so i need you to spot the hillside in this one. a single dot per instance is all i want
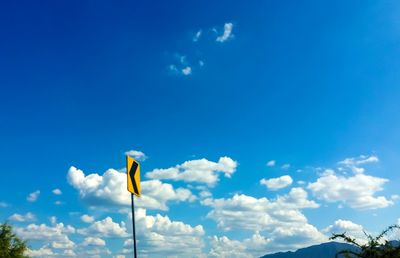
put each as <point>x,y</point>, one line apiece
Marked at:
<point>325,250</point>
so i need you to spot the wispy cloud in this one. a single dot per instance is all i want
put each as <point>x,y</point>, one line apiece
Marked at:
<point>197,36</point>
<point>271,163</point>
<point>32,197</point>
<point>192,60</point>
<point>57,191</point>
<point>356,163</point>
<point>227,33</point>
<point>181,67</point>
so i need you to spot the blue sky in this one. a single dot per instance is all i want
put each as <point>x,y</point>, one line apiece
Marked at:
<point>206,94</point>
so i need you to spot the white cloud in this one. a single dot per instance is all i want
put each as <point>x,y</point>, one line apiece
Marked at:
<point>32,197</point>
<point>110,189</point>
<point>93,241</point>
<point>44,232</point>
<point>58,202</point>
<point>200,171</point>
<point>69,253</point>
<point>3,205</point>
<point>361,160</point>
<point>355,163</point>
<point>22,218</point>
<point>197,36</point>
<point>346,226</point>
<point>271,163</point>
<point>285,166</point>
<point>87,219</point>
<point>277,183</point>
<point>105,228</point>
<point>227,34</point>
<point>281,217</point>
<point>281,239</point>
<point>357,191</point>
<point>187,70</point>
<point>64,243</point>
<point>44,251</point>
<point>53,220</point>
<point>161,237</point>
<point>395,197</point>
<point>56,235</point>
<point>57,191</point>
<point>128,242</point>
<point>182,66</point>
<point>205,194</point>
<point>172,68</point>
<point>138,155</point>
<point>223,247</point>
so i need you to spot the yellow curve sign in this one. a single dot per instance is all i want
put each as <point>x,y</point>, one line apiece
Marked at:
<point>133,173</point>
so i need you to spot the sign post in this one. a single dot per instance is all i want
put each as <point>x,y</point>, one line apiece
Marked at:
<point>133,178</point>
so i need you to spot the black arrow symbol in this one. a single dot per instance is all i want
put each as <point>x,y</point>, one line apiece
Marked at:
<point>132,173</point>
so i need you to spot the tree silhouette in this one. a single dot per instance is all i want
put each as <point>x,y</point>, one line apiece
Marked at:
<point>11,246</point>
<point>374,248</point>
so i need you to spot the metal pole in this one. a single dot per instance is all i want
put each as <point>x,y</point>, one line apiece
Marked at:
<point>133,226</point>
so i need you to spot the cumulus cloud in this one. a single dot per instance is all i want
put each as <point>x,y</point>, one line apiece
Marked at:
<point>277,183</point>
<point>285,166</point>
<point>87,219</point>
<point>200,171</point>
<point>44,251</point>
<point>258,245</point>
<point>287,228</point>
<point>32,197</point>
<point>105,228</point>
<point>93,241</point>
<point>138,155</point>
<point>356,191</point>
<point>3,205</point>
<point>351,229</point>
<point>110,190</point>
<point>22,218</point>
<point>161,237</point>
<point>56,235</point>
<point>44,232</point>
<point>227,34</point>
<point>247,212</point>
<point>223,247</point>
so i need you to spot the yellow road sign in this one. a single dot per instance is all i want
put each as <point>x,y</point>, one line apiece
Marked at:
<point>133,173</point>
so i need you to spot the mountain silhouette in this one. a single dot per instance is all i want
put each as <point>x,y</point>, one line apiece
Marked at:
<point>325,250</point>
